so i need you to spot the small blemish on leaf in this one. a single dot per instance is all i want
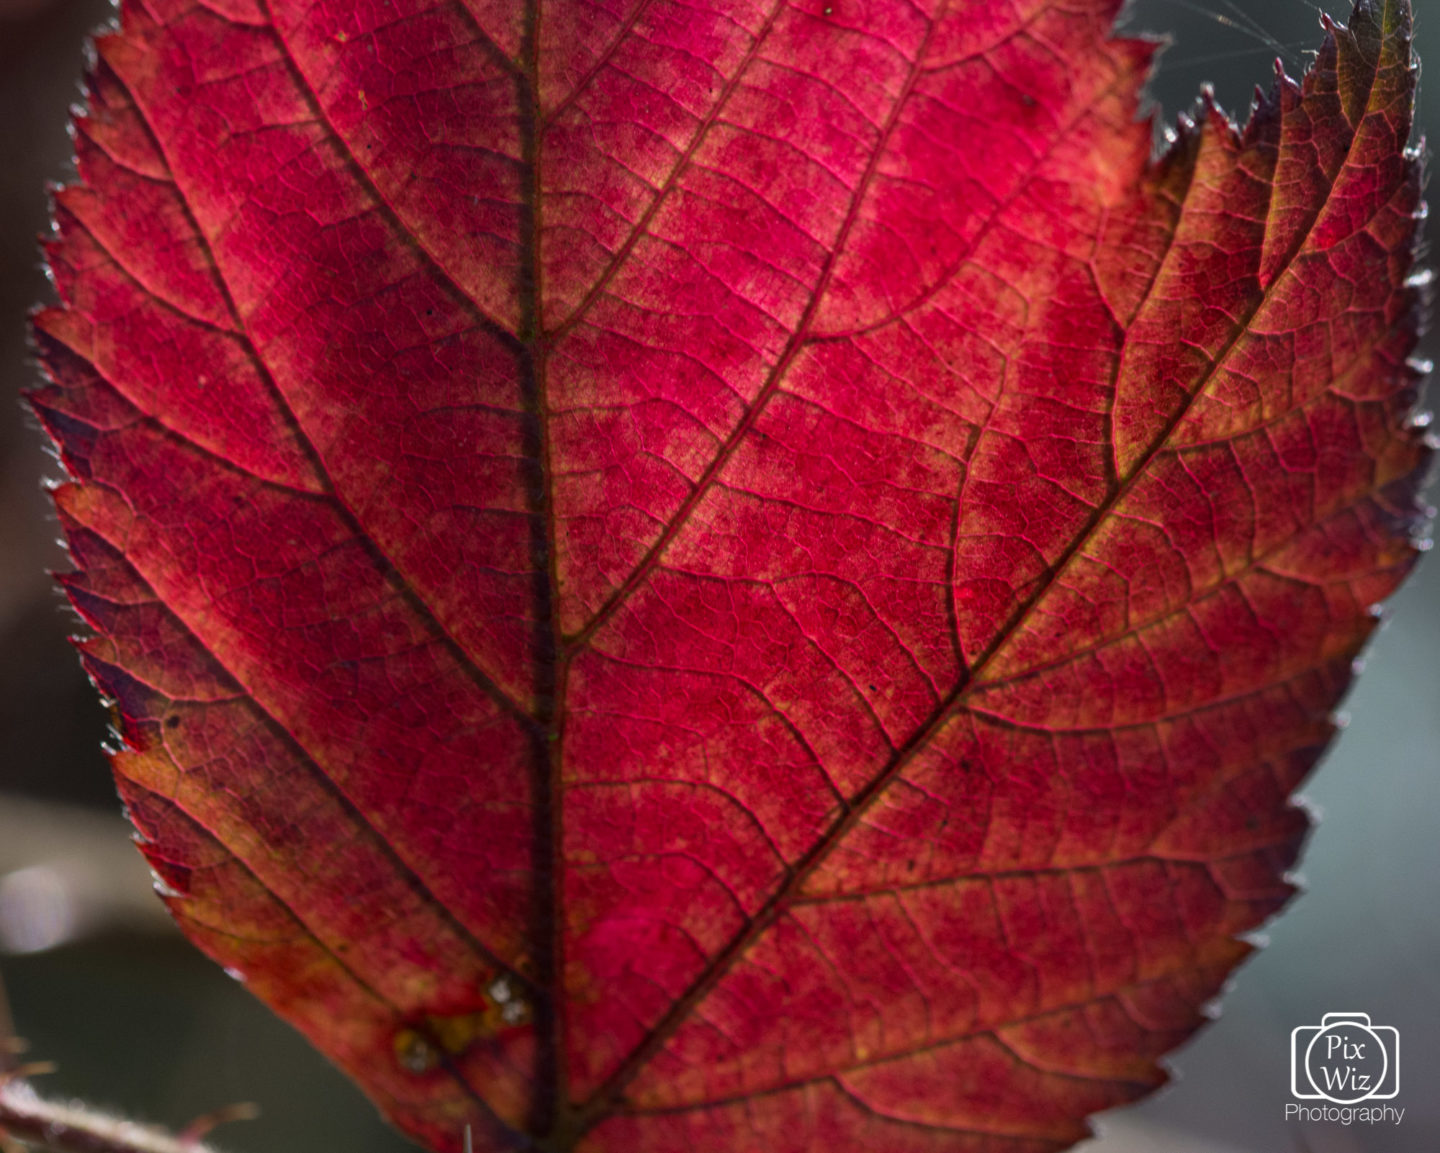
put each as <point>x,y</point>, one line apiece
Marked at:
<point>456,1034</point>
<point>415,1052</point>
<point>422,1047</point>
<point>172,722</point>
<point>512,1007</point>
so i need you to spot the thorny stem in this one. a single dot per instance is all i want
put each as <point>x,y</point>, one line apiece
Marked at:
<point>10,1049</point>
<point>27,1121</point>
<point>70,1128</point>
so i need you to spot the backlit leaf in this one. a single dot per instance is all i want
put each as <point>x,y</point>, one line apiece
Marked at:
<point>727,575</point>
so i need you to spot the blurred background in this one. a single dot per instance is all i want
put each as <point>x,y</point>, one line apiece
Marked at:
<point>101,983</point>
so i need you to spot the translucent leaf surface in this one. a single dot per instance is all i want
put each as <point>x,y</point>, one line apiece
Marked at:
<point>727,576</point>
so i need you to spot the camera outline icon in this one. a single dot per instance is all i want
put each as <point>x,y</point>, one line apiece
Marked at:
<point>1303,1041</point>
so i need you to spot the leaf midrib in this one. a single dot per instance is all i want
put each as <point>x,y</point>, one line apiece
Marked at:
<point>606,1098</point>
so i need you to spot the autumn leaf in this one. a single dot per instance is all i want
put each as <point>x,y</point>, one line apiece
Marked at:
<point>727,576</point>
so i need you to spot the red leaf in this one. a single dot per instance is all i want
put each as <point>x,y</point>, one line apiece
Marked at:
<point>731,576</point>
